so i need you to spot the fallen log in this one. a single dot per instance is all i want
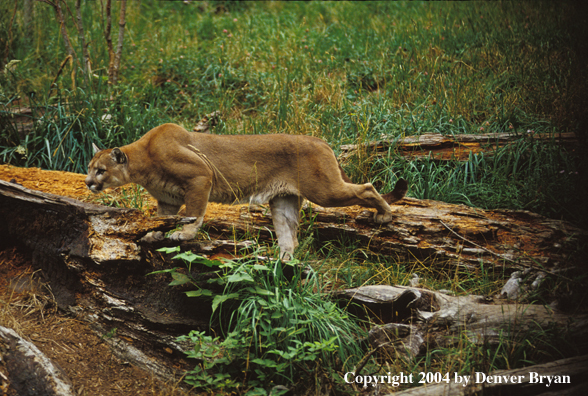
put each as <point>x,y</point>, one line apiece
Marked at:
<point>448,147</point>
<point>97,269</point>
<point>415,319</point>
<point>26,371</point>
<point>444,234</point>
<point>97,265</point>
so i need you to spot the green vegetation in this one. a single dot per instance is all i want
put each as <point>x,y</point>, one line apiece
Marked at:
<point>349,73</point>
<point>345,72</point>
<point>279,329</point>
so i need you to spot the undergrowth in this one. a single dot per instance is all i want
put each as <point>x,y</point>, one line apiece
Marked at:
<point>274,325</point>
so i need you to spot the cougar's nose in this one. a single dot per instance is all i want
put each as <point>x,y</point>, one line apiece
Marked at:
<point>90,184</point>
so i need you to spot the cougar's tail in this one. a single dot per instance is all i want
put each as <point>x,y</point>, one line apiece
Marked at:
<point>398,193</point>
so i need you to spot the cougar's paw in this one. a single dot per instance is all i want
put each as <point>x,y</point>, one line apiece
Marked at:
<point>383,218</point>
<point>153,236</point>
<point>188,231</point>
<point>182,236</point>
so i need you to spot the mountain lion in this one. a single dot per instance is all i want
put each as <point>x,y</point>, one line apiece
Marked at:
<point>180,167</point>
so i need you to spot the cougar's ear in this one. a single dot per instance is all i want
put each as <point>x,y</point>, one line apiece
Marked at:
<point>95,148</point>
<point>118,156</point>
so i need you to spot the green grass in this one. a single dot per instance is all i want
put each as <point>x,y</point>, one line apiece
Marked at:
<point>347,72</point>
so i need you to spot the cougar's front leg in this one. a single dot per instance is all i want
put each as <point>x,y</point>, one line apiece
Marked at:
<point>163,209</point>
<point>196,200</point>
<point>166,209</point>
<point>286,216</point>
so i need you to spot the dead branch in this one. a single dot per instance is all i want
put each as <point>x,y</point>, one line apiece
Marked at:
<point>444,147</point>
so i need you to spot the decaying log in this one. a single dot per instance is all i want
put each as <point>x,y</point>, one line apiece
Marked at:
<point>97,266</point>
<point>444,234</point>
<point>445,147</point>
<point>97,270</point>
<point>24,369</point>
<point>415,319</point>
<point>562,378</point>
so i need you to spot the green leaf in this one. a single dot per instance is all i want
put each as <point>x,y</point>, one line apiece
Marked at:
<point>169,250</point>
<point>239,277</point>
<point>165,271</point>
<point>179,279</point>
<point>277,315</point>
<point>210,263</point>
<point>199,293</point>
<point>219,299</point>
<point>260,291</point>
<point>188,256</point>
<point>256,392</point>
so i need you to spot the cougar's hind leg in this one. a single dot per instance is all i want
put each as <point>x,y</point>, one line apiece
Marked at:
<point>370,197</point>
<point>342,193</point>
<point>285,215</point>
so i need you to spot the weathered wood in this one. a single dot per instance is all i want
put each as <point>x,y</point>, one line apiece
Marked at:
<point>26,371</point>
<point>446,147</point>
<point>415,319</point>
<point>426,230</point>
<point>431,230</point>
<point>97,269</point>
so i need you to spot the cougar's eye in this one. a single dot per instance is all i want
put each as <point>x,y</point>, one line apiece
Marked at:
<point>100,172</point>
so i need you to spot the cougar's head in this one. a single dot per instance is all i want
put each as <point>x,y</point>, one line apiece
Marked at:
<point>107,169</point>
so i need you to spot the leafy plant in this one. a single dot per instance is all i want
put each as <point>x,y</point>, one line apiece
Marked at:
<point>275,327</point>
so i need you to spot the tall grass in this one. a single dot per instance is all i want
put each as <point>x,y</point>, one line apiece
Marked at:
<point>541,177</point>
<point>67,125</point>
<point>346,72</point>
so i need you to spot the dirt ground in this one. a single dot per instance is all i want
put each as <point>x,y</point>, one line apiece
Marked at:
<point>27,306</point>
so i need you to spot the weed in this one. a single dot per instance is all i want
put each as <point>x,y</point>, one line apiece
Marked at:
<point>132,196</point>
<point>276,328</point>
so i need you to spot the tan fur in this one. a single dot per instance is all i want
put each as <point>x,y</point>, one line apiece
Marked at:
<point>180,167</point>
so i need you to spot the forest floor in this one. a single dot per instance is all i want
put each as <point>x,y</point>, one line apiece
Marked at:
<point>27,306</point>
